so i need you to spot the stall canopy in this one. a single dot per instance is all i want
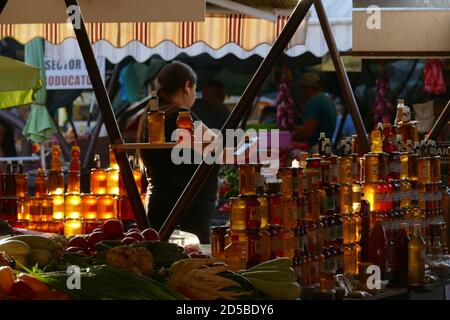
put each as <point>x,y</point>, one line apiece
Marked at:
<point>222,32</point>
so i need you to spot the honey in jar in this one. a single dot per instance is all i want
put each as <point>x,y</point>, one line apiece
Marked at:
<point>156,121</point>
<point>185,122</point>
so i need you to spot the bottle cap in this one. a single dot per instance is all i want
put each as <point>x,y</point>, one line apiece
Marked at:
<point>322,135</point>
<point>401,101</point>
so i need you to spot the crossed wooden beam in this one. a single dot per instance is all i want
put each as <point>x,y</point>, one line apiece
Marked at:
<point>203,170</point>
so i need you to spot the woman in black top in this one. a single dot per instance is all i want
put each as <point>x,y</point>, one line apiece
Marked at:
<point>177,84</point>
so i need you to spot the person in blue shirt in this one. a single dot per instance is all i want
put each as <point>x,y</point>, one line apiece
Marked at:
<point>319,111</point>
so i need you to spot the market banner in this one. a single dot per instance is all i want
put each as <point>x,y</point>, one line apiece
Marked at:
<point>69,74</point>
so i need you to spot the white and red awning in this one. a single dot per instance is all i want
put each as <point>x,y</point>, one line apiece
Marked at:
<point>217,35</point>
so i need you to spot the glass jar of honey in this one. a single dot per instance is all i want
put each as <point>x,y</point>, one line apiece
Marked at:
<point>275,200</point>
<point>185,122</point>
<point>156,126</point>
<point>218,242</point>
<point>237,216</point>
<point>247,180</point>
<point>285,175</point>
<point>99,177</point>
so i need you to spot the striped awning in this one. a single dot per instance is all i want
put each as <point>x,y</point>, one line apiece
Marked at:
<point>217,30</point>
<point>219,34</point>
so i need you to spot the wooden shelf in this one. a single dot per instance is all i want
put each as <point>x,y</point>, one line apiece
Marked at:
<point>123,147</point>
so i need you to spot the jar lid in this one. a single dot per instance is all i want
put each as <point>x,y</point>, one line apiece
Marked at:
<point>184,113</point>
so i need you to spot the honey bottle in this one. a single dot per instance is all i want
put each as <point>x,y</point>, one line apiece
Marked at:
<point>40,184</point>
<point>113,174</point>
<point>56,176</point>
<point>73,174</point>
<point>365,228</point>
<point>377,246</point>
<point>376,140</point>
<point>275,199</point>
<point>235,254</point>
<point>401,253</point>
<point>322,143</point>
<point>247,179</point>
<point>262,197</point>
<point>98,177</point>
<point>185,122</point>
<point>21,181</point>
<point>9,181</point>
<point>156,121</point>
<point>416,258</point>
<point>136,174</point>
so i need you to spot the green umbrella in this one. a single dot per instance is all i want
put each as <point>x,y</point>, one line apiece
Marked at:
<point>39,127</point>
<point>18,83</point>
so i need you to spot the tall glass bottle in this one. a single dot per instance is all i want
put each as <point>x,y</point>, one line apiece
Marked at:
<point>73,175</point>
<point>377,246</point>
<point>56,176</point>
<point>98,177</point>
<point>416,258</point>
<point>40,184</point>
<point>21,181</point>
<point>156,121</point>
<point>401,254</point>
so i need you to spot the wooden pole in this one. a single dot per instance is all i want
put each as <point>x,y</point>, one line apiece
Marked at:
<point>202,172</point>
<point>344,81</point>
<point>108,115</point>
<point>440,123</point>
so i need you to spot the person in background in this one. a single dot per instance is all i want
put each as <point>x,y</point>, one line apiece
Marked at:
<point>210,108</point>
<point>320,112</point>
<point>167,180</point>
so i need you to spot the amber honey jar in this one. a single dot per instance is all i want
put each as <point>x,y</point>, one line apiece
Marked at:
<point>185,122</point>
<point>218,241</point>
<point>106,207</point>
<point>156,126</point>
<point>73,206</point>
<point>89,206</point>
<point>99,177</point>
<point>247,180</point>
<point>285,175</point>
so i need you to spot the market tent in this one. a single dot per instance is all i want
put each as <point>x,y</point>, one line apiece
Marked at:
<point>221,33</point>
<point>18,83</point>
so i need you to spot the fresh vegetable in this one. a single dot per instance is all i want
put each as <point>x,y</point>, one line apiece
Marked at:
<point>150,234</point>
<point>21,290</point>
<point>15,247</point>
<point>203,280</point>
<point>96,285</point>
<point>95,238</point>
<point>136,235</point>
<point>137,260</point>
<point>38,242</point>
<point>275,278</point>
<point>78,241</point>
<point>6,279</point>
<point>164,253</point>
<point>113,229</point>
<point>33,283</point>
<point>41,257</point>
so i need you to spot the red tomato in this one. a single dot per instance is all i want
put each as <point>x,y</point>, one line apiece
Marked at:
<point>129,240</point>
<point>21,290</point>
<point>74,249</point>
<point>150,234</point>
<point>35,284</point>
<point>95,238</point>
<point>136,235</point>
<point>78,241</point>
<point>113,229</point>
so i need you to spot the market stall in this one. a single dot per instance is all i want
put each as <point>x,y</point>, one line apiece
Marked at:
<point>315,230</point>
